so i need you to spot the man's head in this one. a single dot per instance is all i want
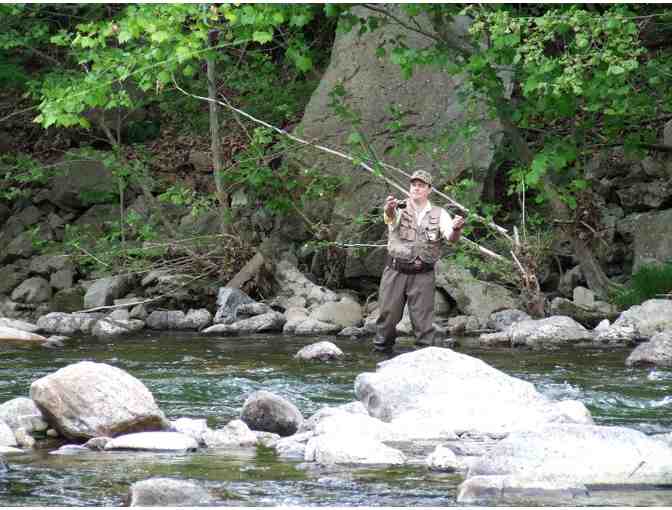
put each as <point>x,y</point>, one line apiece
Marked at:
<point>421,175</point>
<point>421,186</point>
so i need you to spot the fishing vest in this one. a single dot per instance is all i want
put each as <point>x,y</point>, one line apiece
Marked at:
<point>409,240</point>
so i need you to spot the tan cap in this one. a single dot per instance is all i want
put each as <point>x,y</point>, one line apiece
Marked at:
<point>423,176</point>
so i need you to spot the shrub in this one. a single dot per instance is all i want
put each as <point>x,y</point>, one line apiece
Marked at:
<point>647,283</point>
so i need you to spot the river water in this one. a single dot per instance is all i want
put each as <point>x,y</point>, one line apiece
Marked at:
<point>198,377</point>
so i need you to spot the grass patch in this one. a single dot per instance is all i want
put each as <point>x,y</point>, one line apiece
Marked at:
<point>647,283</point>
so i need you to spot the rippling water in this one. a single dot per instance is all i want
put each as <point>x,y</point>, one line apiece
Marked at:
<point>210,378</point>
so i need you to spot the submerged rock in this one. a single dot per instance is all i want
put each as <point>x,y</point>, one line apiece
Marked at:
<point>166,492</point>
<point>330,449</point>
<point>153,441</point>
<point>322,351</point>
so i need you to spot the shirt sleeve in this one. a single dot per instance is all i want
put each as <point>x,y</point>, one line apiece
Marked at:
<point>446,224</point>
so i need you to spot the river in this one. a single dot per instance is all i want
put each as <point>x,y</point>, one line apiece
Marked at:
<point>203,377</point>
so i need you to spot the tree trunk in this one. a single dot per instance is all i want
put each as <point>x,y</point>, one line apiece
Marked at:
<point>215,139</point>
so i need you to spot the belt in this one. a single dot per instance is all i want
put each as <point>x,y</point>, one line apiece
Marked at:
<point>415,267</point>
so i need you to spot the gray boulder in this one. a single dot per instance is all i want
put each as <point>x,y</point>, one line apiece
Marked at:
<point>167,492</point>
<point>195,428</point>
<point>344,313</point>
<point>234,434</point>
<point>109,328</point>
<point>32,290</point>
<point>60,323</point>
<point>436,389</point>
<point>322,351</point>
<point>104,291</point>
<point>86,400</point>
<point>501,320</point>
<point>7,437</point>
<point>331,449</point>
<point>653,244</point>
<point>177,320</point>
<point>431,97</point>
<point>473,296</point>
<point>552,331</point>
<point>11,275</point>
<point>18,324</point>
<point>21,412</point>
<point>271,413</point>
<point>298,291</point>
<point>78,184</point>
<point>518,490</point>
<point>44,265</point>
<point>616,455</point>
<point>153,441</point>
<point>272,321</point>
<point>228,301</point>
<point>649,318</point>
<point>656,352</point>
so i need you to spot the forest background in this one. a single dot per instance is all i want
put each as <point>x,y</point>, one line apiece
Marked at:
<point>167,98</point>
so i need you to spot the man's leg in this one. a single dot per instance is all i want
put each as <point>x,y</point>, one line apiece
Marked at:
<point>391,301</point>
<point>421,307</point>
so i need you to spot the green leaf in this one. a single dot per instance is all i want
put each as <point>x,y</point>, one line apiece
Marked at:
<point>354,138</point>
<point>262,37</point>
<point>616,70</point>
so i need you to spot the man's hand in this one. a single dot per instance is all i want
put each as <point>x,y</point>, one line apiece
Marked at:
<point>390,206</point>
<point>458,223</point>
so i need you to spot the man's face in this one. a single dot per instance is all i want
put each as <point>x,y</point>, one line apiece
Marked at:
<point>419,190</point>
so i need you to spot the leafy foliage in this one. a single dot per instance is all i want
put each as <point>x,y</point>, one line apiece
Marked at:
<point>648,282</point>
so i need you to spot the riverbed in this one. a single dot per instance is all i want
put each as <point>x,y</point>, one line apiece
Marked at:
<point>204,377</point>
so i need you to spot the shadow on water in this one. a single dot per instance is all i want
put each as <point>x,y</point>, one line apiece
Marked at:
<point>199,377</point>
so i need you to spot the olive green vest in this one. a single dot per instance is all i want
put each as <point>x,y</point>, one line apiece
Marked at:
<point>410,240</point>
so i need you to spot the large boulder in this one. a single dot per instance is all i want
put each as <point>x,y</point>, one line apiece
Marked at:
<point>295,290</point>
<point>88,399</point>
<point>649,318</point>
<point>228,302</point>
<point>344,313</point>
<point>430,106</point>
<point>437,388</point>
<point>60,323</point>
<point>32,290</point>
<point>271,413</point>
<point>80,183</point>
<point>272,321</point>
<point>167,492</point>
<point>652,244</point>
<point>104,291</point>
<point>655,352</point>
<point>588,454</point>
<point>473,296</point>
<point>552,331</point>
<point>176,320</point>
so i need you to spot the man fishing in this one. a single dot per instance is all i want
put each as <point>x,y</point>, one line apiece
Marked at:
<point>415,231</point>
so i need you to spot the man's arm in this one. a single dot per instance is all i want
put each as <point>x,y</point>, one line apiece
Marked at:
<point>451,228</point>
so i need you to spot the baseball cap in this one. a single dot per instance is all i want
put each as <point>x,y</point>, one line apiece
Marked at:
<point>423,176</point>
